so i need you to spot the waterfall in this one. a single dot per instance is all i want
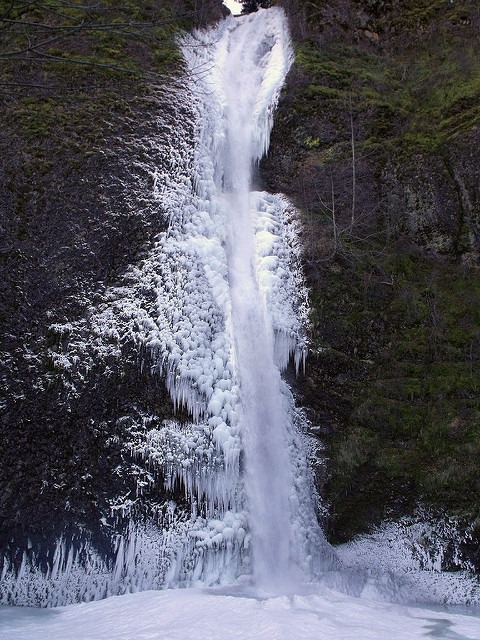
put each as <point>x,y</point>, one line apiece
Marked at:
<point>238,309</point>
<point>257,61</point>
<point>219,304</point>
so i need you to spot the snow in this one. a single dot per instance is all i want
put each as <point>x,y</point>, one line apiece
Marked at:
<point>235,7</point>
<point>208,614</point>
<point>414,550</point>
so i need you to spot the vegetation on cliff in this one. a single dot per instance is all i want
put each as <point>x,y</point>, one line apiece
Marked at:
<point>377,142</point>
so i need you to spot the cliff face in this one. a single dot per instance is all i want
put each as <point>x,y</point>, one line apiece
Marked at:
<point>87,121</point>
<point>377,142</point>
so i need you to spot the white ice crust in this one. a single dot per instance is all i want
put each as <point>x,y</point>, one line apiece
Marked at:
<point>221,238</point>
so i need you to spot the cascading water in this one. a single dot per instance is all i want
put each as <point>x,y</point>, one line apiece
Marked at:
<point>238,252</point>
<point>253,71</point>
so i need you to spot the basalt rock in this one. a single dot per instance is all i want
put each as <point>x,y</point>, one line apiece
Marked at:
<point>377,142</point>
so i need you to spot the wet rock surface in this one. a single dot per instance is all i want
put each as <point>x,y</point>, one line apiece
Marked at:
<point>377,145</point>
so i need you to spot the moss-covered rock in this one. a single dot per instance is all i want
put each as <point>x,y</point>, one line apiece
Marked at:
<point>377,143</point>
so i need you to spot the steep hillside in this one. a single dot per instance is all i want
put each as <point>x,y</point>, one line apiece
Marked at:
<point>377,142</point>
<point>87,119</point>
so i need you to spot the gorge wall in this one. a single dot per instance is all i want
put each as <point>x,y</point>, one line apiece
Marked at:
<point>87,125</point>
<point>376,141</point>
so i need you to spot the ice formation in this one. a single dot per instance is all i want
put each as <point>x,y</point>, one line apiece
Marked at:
<point>224,314</point>
<point>232,305</point>
<point>219,306</point>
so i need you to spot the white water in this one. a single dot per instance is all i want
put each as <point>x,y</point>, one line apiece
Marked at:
<point>255,67</point>
<point>253,294</point>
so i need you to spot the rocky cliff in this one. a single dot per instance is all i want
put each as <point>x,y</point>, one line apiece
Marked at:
<point>88,119</point>
<point>377,142</point>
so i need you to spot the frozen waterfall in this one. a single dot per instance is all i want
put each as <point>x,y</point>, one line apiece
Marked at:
<point>241,312</point>
<point>218,306</point>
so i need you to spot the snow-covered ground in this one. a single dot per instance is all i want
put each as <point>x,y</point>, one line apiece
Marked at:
<point>206,614</point>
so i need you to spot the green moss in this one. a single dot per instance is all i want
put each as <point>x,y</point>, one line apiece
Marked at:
<point>418,14</point>
<point>105,43</point>
<point>415,417</point>
<point>312,143</point>
<point>417,102</point>
<point>399,331</point>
